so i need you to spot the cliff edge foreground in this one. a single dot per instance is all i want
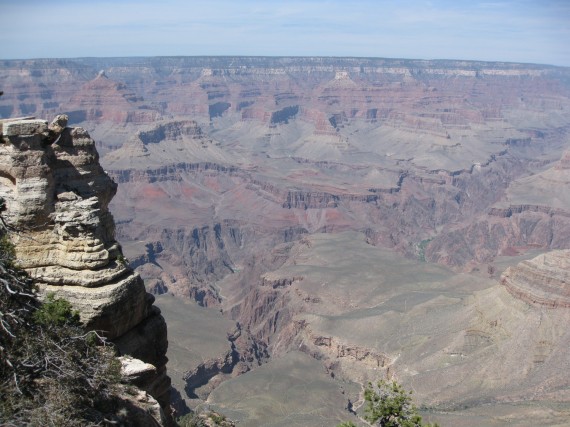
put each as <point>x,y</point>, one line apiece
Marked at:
<point>57,197</point>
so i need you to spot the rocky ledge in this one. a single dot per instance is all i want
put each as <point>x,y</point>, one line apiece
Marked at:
<point>57,198</point>
<point>544,280</point>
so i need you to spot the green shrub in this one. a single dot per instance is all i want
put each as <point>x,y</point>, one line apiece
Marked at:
<point>7,252</point>
<point>56,311</point>
<point>122,260</point>
<point>389,405</point>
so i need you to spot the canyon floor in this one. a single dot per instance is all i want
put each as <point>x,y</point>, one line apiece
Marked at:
<point>362,313</point>
<point>312,224</point>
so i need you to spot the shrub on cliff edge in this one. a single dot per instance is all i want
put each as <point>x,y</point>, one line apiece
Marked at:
<point>51,371</point>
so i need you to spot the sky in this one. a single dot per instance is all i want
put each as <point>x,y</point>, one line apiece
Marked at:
<point>531,31</point>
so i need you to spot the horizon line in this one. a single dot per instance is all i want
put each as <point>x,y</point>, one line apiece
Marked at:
<point>290,57</point>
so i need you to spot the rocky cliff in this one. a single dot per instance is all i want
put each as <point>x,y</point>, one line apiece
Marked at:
<point>542,281</point>
<point>57,197</point>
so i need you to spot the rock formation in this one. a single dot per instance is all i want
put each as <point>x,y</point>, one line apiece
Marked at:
<point>456,339</point>
<point>543,281</point>
<point>414,153</point>
<point>57,197</point>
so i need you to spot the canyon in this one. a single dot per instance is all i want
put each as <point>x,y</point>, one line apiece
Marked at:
<point>314,224</point>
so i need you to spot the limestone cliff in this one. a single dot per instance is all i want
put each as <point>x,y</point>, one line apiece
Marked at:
<point>57,197</point>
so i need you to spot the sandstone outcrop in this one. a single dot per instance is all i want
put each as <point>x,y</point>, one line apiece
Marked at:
<point>543,281</point>
<point>57,196</point>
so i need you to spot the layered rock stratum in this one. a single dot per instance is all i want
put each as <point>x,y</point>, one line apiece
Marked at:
<point>543,281</point>
<point>57,197</point>
<point>432,158</point>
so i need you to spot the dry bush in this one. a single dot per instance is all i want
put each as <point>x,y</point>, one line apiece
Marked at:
<point>52,373</point>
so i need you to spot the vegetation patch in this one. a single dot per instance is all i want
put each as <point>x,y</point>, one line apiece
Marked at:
<point>51,371</point>
<point>388,404</point>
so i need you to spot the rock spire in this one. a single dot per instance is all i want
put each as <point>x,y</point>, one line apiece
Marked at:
<point>57,196</point>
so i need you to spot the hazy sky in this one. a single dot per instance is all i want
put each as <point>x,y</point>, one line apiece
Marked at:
<point>519,30</point>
